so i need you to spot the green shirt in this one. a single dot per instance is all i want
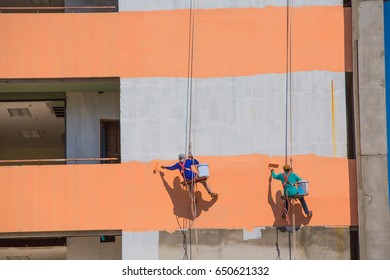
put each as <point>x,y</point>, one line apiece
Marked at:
<point>289,188</point>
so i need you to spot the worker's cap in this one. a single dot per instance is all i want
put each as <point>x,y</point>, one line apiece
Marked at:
<point>286,167</point>
<point>182,156</point>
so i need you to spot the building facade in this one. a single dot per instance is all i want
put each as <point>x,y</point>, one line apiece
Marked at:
<point>96,96</point>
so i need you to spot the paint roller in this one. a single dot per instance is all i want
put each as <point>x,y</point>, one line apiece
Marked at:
<point>155,167</point>
<point>273,165</point>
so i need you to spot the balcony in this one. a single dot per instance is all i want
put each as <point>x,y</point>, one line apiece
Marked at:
<point>59,6</point>
<point>59,121</point>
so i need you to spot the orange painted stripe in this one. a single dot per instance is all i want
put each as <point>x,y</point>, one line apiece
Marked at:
<point>130,196</point>
<point>230,42</point>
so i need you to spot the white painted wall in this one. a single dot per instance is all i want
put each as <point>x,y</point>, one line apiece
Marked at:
<point>140,245</point>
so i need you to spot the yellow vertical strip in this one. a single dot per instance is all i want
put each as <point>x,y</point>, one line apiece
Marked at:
<point>333,123</point>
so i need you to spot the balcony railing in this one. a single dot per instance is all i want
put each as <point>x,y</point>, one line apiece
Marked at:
<point>38,161</point>
<point>58,8</point>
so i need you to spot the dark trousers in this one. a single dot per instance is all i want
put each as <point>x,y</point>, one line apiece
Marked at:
<point>303,203</point>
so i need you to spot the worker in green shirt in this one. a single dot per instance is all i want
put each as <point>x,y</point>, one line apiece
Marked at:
<point>289,179</point>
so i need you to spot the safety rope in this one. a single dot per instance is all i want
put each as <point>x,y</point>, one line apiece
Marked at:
<point>183,230</point>
<point>290,79</point>
<point>190,77</point>
<point>277,245</point>
<point>188,143</point>
<point>288,97</point>
<point>287,77</point>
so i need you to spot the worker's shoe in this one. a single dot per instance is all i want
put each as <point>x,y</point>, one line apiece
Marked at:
<point>309,214</point>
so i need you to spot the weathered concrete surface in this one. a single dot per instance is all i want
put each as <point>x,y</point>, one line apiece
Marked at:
<point>374,220</point>
<point>312,243</point>
<point>238,115</point>
<point>374,217</point>
<point>84,110</point>
<point>90,248</point>
<point>147,5</point>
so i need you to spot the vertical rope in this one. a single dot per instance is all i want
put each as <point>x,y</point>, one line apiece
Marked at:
<point>294,234</point>
<point>289,115</point>
<point>188,143</point>
<point>277,245</point>
<point>334,144</point>
<point>290,78</point>
<point>195,91</point>
<point>287,75</point>
<point>189,78</point>
<point>289,244</point>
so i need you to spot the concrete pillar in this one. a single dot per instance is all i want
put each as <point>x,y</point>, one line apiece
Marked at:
<point>370,119</point>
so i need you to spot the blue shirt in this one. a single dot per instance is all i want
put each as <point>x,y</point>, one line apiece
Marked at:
<point>188,173</point>
<point>289,188</point>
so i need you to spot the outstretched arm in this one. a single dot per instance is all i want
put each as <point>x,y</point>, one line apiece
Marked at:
<point>172,167</point>
<point>276,176</point>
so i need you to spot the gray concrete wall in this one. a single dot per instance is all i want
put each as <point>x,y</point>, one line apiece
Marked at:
<point>90,248</point>
<point>144,5</point>
<point>238,115</point>
<point>83,113</point>
<point>374,217</point>
<point>311,243</point>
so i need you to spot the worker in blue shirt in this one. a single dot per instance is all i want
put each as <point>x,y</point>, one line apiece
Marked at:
<point>289,179</point>
<point>185,167</point>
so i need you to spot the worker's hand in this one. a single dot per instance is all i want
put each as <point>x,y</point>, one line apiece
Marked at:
<point>163,167</point>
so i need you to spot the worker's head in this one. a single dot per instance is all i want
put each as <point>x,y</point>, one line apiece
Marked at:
<point>286,168</point>
<point>182,156</point>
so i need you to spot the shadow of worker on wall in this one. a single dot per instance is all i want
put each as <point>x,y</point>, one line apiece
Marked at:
<point>277,207</point>
<point>182,202</point>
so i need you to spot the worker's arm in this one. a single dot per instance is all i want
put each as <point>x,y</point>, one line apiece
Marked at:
<point>172,167</point>
<point>276,176</point>
<point>297,178</point>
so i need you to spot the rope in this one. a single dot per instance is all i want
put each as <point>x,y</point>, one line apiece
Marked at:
<point>183,230</point>
<point>196,80</point>
<point>190,78</point>
<point>287,76</point>
<point>290,81</point>
<point>277,245</point>
<point>287,210</point>
<point>188,143</point>
<point>289,244</point>
<point>288,98</point>
<point>188,117</point>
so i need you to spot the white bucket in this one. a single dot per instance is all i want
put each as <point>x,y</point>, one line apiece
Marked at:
<point>303,186</point>
<point>203,169</point>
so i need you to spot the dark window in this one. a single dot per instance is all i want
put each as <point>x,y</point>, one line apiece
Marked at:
<point>110,139</point>
<point>347,3</point>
